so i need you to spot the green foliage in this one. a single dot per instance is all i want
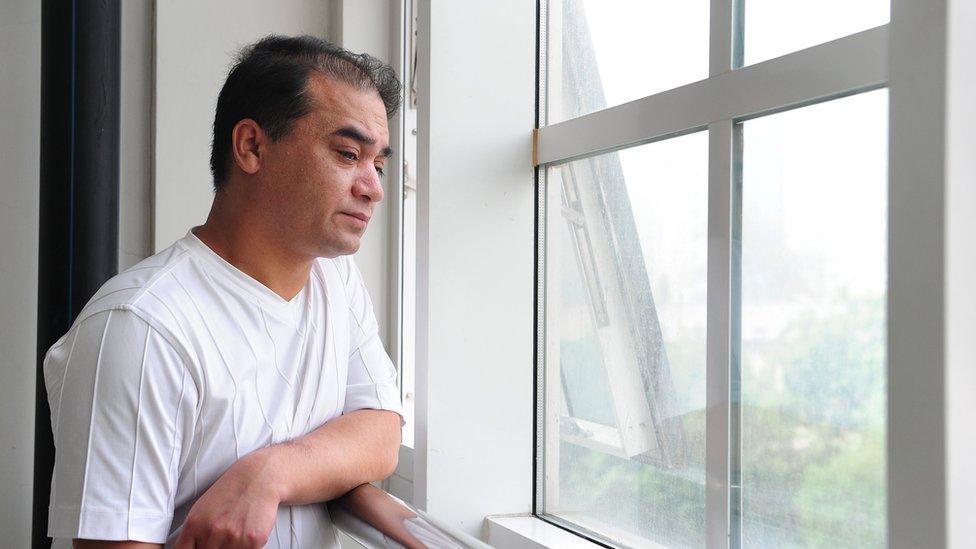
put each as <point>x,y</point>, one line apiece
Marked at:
<point>812,441</point>
<point>835,365</point>
<point>845,496</point>
<point>639,498</point>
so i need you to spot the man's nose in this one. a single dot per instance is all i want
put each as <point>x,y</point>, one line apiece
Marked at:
<point>369,185</point>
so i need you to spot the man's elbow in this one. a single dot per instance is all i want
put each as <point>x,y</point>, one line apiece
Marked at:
<point>383,427</point>
<point>389,467</point>
<point>391,447</point>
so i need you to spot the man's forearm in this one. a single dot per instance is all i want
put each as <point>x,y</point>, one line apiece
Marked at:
<point>240,508</point>
<point>350,450</point>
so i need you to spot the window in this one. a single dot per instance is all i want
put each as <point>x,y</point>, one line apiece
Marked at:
<point>811,366</point>
<point>625,328</point>
<point>712,281</point>
<point>588,39</point>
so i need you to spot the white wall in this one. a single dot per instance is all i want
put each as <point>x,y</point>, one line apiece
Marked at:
<point>476,223</point>
<point>20,85</point>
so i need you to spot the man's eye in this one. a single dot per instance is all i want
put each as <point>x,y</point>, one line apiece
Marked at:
<point>349,154</point>
<point>379,170</point>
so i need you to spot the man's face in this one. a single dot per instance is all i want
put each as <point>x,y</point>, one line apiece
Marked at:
<point>322,180</point>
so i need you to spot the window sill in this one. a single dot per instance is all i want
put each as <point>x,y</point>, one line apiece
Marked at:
<point>529,532</point>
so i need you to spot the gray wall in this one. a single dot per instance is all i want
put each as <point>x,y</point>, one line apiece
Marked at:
<point>20,84</point>
<point>135,163</point>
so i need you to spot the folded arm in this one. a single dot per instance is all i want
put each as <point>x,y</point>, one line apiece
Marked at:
<point>240,508</point>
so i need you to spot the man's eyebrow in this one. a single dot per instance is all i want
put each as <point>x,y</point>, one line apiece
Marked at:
<point>356,135</point>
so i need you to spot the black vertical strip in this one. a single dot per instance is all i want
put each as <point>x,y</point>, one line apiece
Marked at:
<point>96,162</point>
<point>537,451</point>
<point>79,196</point>
<point>53,315</point>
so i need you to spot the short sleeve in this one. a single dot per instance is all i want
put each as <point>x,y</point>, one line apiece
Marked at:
<point>122,409</point>
<point>372,377</point>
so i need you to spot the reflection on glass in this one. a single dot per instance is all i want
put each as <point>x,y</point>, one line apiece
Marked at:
<point>813,289</point>
<point>625,337</point>
<point>777,27</point>
<point>604,53</point>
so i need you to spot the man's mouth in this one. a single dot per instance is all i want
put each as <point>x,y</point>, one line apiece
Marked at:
<point>360,217</point>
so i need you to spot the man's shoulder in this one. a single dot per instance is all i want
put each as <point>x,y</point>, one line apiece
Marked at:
<point>129,289</point>
<point>123,299</point>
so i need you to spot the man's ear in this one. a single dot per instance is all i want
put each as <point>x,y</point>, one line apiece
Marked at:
<point>248,143</point>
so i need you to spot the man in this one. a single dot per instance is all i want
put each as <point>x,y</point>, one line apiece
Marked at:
<point>216,393</point>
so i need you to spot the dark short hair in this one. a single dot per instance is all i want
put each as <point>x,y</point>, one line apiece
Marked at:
<point>268,85</point>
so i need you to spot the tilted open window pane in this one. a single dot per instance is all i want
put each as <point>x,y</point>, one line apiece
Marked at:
<point>778,27</point>
<point>625,315</point>
<point>604,53</point>
<point>813,286</point>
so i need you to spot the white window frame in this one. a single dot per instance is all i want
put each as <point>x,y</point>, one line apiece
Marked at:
<point>850,64</point>
<point>477,206</point>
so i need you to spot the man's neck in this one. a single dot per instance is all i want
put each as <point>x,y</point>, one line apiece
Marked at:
<point>257,254</point>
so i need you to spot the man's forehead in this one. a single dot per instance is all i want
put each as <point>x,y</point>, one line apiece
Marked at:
<point>339,104</point>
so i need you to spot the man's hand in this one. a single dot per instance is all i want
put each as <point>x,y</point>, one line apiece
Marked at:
<point>238,511</point>
<point>382,512</point>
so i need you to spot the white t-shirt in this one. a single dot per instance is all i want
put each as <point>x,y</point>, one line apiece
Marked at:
<point>182,364</point>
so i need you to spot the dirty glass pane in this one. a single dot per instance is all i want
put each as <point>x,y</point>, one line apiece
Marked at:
<point>626,251</point>
<point>602,53</point>
<point>813,283</point>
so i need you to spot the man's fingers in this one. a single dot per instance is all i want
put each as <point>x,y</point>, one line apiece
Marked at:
<point>216,536</point>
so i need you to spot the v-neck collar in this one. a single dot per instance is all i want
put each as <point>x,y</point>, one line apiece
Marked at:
<point>265,296</point>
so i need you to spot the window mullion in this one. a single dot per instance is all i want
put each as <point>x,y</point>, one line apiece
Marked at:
<point>720,37</point>
<point>719,290</point>
<point>718,334</point>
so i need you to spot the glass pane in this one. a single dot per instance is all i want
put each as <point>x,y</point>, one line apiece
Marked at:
<point>777,27</point>
<point>604,53</point>
<point>813,283</point>
<point>626,250</point>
